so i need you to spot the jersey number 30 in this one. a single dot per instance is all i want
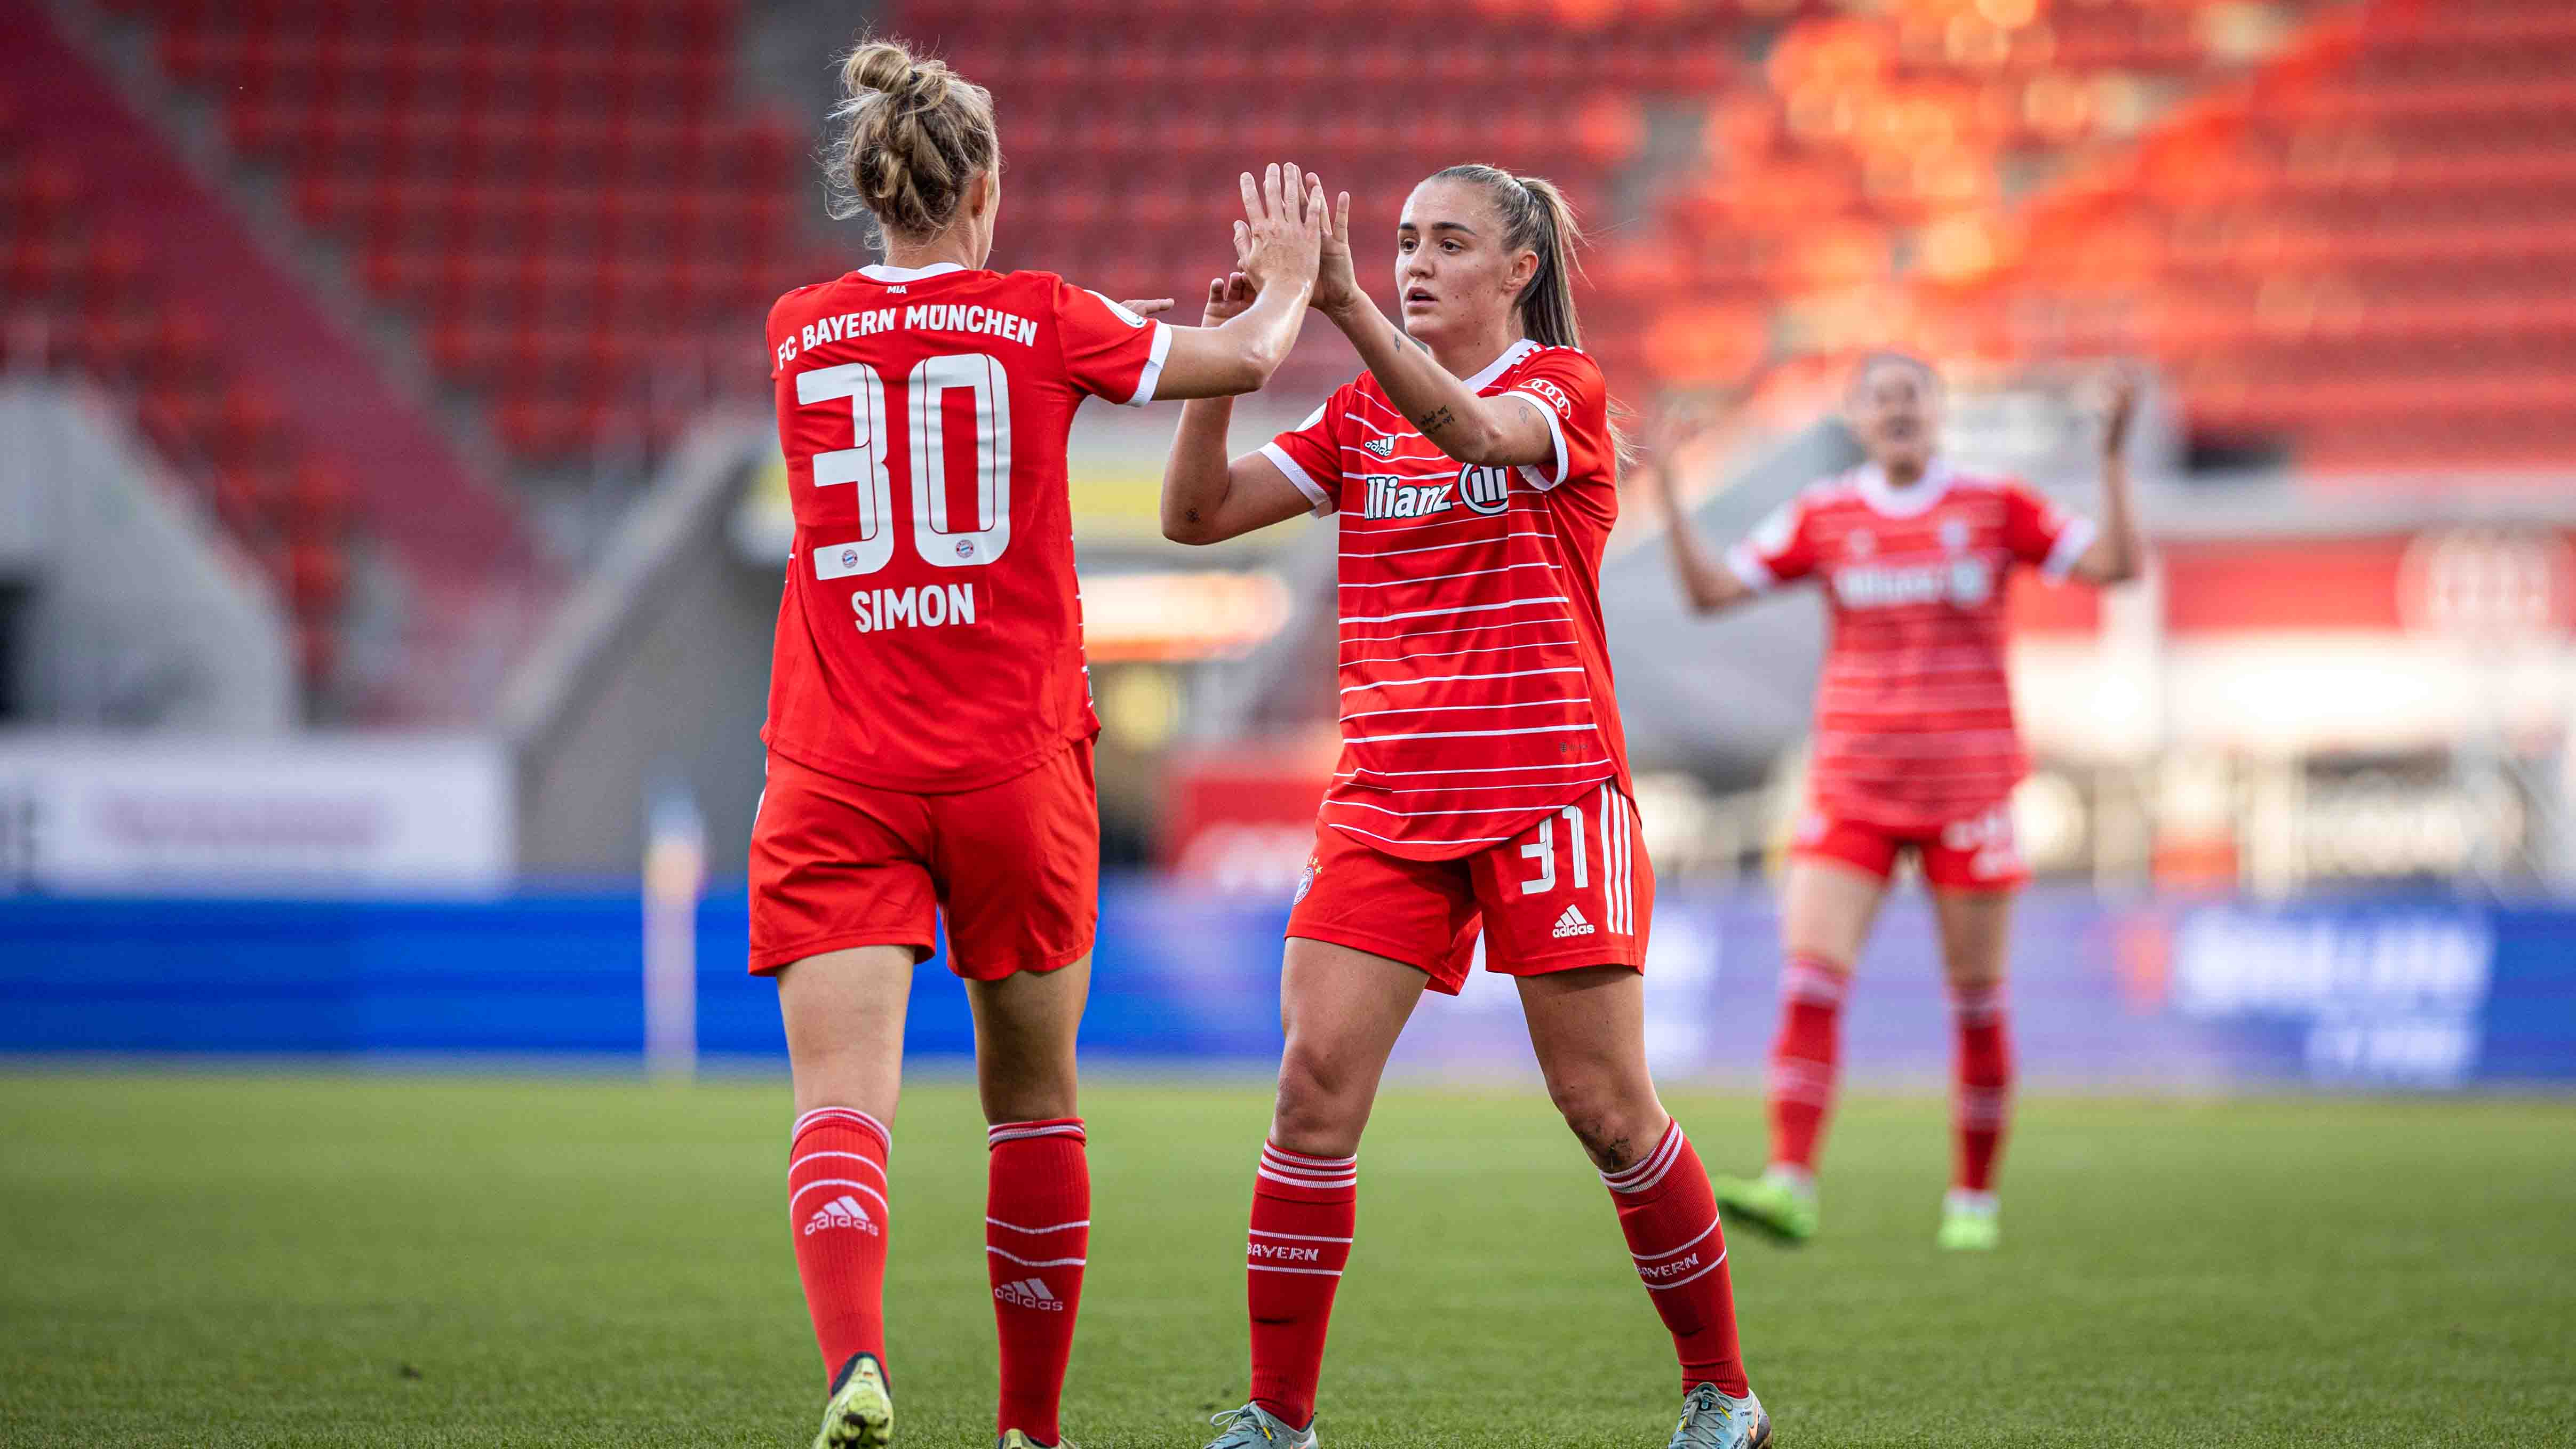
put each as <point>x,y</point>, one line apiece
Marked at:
<point>934,534</point>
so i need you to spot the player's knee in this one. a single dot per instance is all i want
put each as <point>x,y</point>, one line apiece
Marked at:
<point>1319,1109</point>
<point>1614,1120</point>
<point>1026,1087</point>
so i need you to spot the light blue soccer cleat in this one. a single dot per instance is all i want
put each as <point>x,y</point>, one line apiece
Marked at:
<point>1711,1420</point>
<point>1252,1427</point>
<point>860,1412</point>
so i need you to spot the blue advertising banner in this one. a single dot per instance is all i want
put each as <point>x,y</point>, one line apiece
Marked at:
<point>2425,994</point>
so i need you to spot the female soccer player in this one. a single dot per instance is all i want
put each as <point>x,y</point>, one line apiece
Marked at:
<point>1915,749</point>
<point>929,727</point>
<point>1483,776</point>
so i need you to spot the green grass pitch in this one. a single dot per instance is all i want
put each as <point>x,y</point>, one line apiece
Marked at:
<point>322,1260</point>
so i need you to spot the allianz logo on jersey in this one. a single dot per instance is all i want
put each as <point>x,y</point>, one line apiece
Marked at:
<point>1483,490</point>
<point>1964,582</point>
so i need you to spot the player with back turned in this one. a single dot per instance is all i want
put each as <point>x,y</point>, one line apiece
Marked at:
<point>930,724</point>
<point>1483,786</point>
<point>1915,750</point>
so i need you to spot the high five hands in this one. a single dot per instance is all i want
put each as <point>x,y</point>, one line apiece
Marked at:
<point>1288,230</point>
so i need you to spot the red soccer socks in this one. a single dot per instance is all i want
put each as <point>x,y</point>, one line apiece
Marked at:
<point>836,1207</point>
<point>1982,1098</point>
<point>1303,1212</point>
<point>1669,1216</point>
<point>1806,1058</point>
<point>1037,1231</point>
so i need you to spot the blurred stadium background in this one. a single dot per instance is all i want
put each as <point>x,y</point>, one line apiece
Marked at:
<point>390,515</point>
<point>394,515</point>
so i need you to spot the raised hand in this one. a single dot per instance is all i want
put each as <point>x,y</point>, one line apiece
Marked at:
<point>2115,396</point>
<point>1675,426</point>
<point>1669,432</point>
<point>1282,232</point>
<point>1337,284</point>
<point>1228,296</point>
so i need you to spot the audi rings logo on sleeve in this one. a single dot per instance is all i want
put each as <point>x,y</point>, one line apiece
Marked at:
<point>1486,490</point>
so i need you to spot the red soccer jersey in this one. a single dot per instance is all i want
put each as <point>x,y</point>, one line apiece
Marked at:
<point>1475,689</point>
<point>1914,720</point>
<point>931,637</point>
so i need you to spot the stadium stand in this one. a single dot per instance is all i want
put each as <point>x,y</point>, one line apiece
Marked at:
<point>2342,228</point>
<point>122,266</point>
<point>566,197</point>
<point>1132,121</point>
<point>82,294</point>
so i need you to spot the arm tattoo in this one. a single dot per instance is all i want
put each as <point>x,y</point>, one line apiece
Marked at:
<point>1192,515</point>
<point>1432,422</point>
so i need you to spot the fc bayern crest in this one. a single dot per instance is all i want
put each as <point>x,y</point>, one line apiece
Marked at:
<point>1306,882</point>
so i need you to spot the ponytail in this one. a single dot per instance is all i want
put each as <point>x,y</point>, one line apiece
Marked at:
<point>908,136</point>
<point>1535,215</point>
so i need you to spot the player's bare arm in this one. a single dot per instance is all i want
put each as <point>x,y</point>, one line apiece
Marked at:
<point>1434,251</point>
<point>1207,497</point>
<point>2117,554</point>
<point>1279,239</point>
<point>1707,583</point>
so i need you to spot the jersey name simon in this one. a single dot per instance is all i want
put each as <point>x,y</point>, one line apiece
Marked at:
<point>930,634</point>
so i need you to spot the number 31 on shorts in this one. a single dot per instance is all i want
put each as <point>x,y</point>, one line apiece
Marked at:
<point>1599,847</point>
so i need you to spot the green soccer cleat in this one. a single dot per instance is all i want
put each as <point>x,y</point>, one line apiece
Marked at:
<point>1778,1205</point>
<point>860,1412</point>
<point>1969,1224</point>
<point>1252,1427</point>
<point>1711,1420</point>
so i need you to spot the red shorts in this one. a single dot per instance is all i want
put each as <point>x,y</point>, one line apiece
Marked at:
<point>1015,867</point>
<point>1573,890</point>
<point>1975,854</point>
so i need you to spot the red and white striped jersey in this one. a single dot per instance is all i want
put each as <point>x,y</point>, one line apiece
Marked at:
<point>1475,689</point>
<point>930,638</point>
<point>1914,719</point>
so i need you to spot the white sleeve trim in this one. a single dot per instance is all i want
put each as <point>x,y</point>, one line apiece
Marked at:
<point>1748,568</point>
<point>2072,540</point>
<point>1556,431</point>
<point>1156,351</point>
<point>1314,492</point>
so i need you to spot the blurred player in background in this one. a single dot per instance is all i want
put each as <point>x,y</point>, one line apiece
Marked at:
<point>1483,781</point>
<point>1915,748</point>
<point>930,723</point>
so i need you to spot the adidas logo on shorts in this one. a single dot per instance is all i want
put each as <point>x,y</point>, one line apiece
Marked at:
<point>1029,1293</point>
<point>841,1212</point>
<point>1572,924</point>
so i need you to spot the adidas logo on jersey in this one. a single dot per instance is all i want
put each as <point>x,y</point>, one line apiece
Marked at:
<point>1029,1293</point>
<point>1572,924</point>
<point>1383,447</point>
<point>842,1212</point>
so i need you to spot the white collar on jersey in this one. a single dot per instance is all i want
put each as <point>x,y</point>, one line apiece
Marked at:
<point>1894,502</point>
<point>880,272</point>
<point>1500,365</point>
